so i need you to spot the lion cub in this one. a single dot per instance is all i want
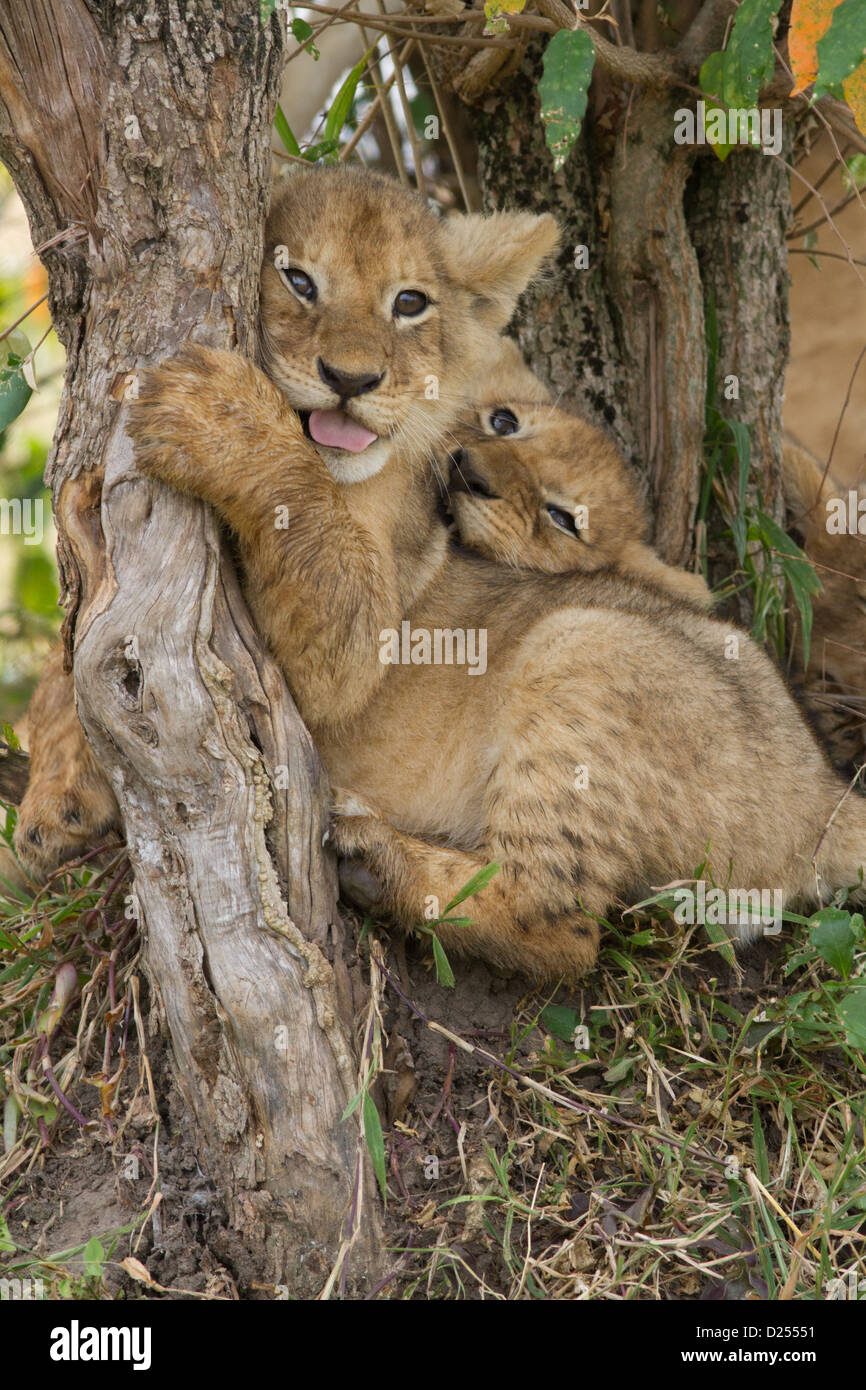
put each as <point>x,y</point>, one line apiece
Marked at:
<point>319,459</point>
<point>616,736</point>
<point>542,489</point>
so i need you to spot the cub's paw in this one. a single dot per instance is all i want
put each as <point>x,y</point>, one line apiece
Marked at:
<point>356,830</point>
<point>356,826</point>
<point>349,803</point>
<point>57,823</point>
<point>191,410</point>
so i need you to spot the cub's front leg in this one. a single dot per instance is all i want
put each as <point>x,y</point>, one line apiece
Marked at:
<point>508,924</point>
<point>212,425</point>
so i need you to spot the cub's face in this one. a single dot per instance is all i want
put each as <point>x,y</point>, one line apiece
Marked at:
<point>374,313</point>
<point>537,488</point>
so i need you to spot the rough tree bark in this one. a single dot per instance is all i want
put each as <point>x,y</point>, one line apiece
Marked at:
<point>138,137</point>
<point>665,227</point>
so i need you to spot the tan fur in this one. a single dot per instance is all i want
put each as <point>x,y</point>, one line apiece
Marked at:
<point>363,536</point>
<point>68,807</point>
<point>836,672</point>
<point>688,754</point>
<point>553,459</point>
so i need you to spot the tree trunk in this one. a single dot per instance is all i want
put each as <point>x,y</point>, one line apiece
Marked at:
<point>665,227</point>
<point>141,142</point>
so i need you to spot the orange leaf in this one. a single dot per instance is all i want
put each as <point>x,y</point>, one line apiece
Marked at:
<point>810,20</point>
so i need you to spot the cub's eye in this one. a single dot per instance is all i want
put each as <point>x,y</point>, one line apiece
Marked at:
<point>504,422</point>
<point>300,282</point>
<point>410,303</point>
<point>563,519</point>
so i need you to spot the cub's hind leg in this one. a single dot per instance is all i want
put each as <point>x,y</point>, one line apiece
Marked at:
<point>68,806</point>
<point>512,924</point>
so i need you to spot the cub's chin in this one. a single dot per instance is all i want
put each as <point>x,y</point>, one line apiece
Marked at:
<point>346,467</point>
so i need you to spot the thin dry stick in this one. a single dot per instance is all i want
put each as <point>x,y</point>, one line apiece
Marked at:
<point>846,793</point>
<point>845,405</point>
<point>848,253</point>
<point>819,221</point>
<point>451,142</point>
<point>814,251</point>
<point>25,315</point>
<point>410,123</point>
<point>387,26</point>
<point>388,114</point>
<point>807,198</point>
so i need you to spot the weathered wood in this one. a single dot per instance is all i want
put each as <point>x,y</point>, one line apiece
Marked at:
<point>162,160</point>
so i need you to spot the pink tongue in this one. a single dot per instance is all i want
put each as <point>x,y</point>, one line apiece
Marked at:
<point>336,430</point>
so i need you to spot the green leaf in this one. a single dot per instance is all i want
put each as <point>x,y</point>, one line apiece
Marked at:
<point>353,1105</point>
<point>303,33</point>
<point>560,1021</point>
<point>853,177</point>
<point>749,55</point>
<point>284,130</point>
<point>375,1142</point>
<point>743,446</point>
<point>843,47</point>
<point>711,80</point>
<point>7,1244</point>
<point>620,1070</point>
<point>301,30</point>
<point>14,391</point>
<point>10,737</point>
<point>834,938</point>
<point>444,973</point>
<point>563,89</point>
<point>852,1011</point>
<point>796,568</point>
<point>722,942</point>
<point>342,104</point>
<point>321,151</point>
<point>94,1258</point>
<point>475,884</point>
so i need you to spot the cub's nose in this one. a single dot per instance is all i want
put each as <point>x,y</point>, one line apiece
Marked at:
<point>345,384</point>
<point>466,478</point>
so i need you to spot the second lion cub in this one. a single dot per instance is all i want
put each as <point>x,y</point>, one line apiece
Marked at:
<point>542,489</point>
<point>617,737</point>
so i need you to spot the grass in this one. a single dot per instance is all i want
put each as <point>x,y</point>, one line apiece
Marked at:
<point>681,1127</point>
<point>68,999</point>
<point>703,1139</point>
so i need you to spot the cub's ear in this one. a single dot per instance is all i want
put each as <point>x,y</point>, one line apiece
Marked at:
<point>495,257</point>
